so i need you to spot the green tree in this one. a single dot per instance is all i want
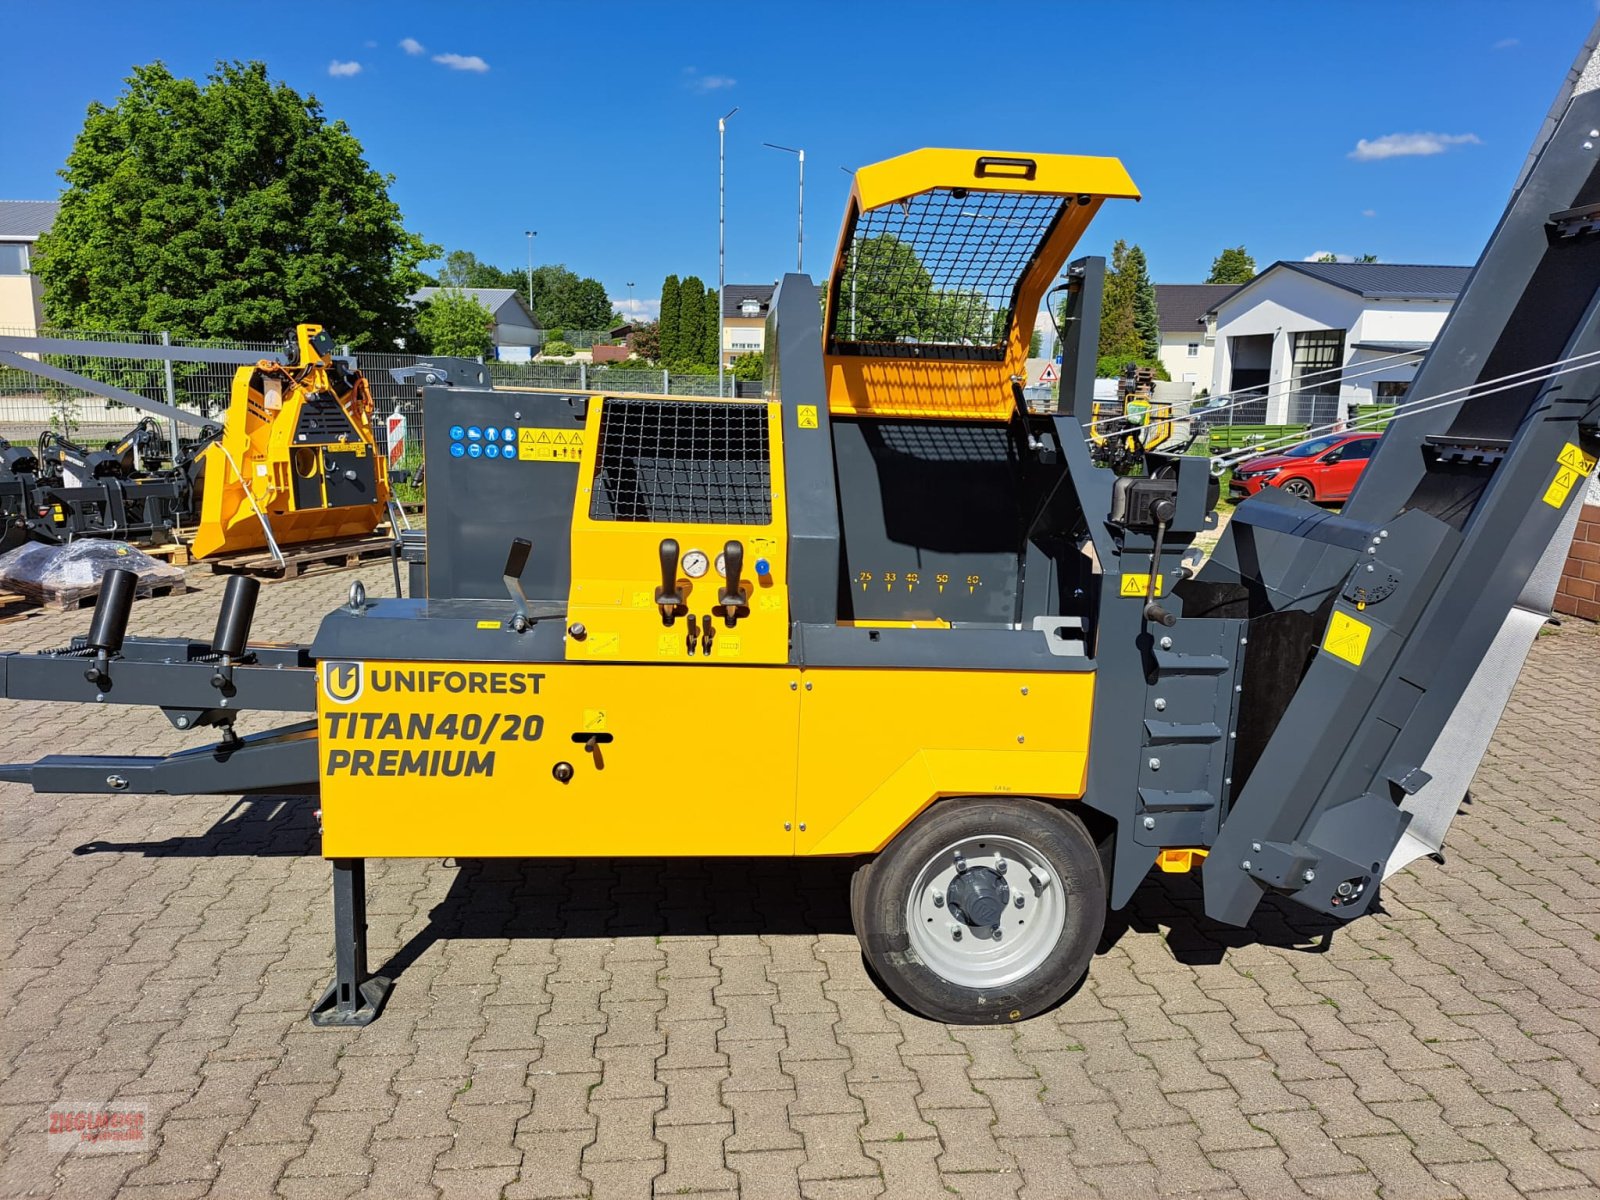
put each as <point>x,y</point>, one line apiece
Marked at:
<point>711,342</point>
<point>1109,366</point>
<point>231,208</point>
<point>691,323</point>
<point>455,323</point>
<point>463,270</point>
<point>1367,258</point>
<point>750,367</point>
<point>885,293</point>
<point>671,303</point>
<point>1146,320</point>
<point>1035,344</point>
<point>1119,335</point>
<point>1327,258</point>
<point>1233,265</point>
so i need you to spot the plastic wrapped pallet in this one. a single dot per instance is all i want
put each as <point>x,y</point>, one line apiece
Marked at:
<point>67,576</point>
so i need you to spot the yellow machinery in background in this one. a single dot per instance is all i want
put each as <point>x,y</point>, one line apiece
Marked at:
<point>1135,421</point>
<point>296,456</point>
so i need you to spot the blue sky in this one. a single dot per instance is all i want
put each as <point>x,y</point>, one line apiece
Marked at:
<point>596,124</point>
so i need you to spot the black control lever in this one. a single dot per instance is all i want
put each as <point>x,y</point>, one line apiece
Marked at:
<point>110,622</point>
<point>1163,511</point>
<point>233,628</point>
<point>706,634</point>
<point>668,598</point>
<point>516,563</point>
<point>731,599</point>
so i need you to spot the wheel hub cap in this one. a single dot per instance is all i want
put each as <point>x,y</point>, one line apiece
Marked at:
<point>979,897</point>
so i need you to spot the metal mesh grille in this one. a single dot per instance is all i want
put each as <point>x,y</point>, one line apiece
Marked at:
<point>937,275</point>
<point>665,460</point>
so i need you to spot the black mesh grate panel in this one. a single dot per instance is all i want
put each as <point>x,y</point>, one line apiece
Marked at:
<point>937,275</point>
<point>323,420</point>
<point>677,460</point>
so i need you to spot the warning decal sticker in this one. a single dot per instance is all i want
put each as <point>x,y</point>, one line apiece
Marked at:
<point>807,416</point>
<point>1347,638</point>
<point>1136,585</point>
<point>1572,465</point>
<point>550,445</point>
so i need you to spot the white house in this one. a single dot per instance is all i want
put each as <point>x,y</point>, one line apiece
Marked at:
<point>1187,340</point>
<point>1317,339</point>
<point>517,332</point>
<point>21,223</point>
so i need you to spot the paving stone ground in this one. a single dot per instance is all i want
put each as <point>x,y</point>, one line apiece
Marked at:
<point>685,1028</point>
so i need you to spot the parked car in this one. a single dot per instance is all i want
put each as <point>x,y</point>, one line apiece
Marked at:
<point>1323,469</point>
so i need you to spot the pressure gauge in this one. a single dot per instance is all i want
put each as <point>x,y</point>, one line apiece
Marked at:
<point>695,563</point>
<point>722,565</point>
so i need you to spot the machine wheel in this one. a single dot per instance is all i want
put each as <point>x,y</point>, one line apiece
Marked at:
<point>1300,489</point>
<point>982,910</point>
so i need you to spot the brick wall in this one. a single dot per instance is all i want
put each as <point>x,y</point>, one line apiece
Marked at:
<point>1579,593</point>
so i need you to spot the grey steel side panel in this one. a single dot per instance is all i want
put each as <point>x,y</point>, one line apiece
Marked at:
<point>795,378</point>
<point>931,649</point>
<point>480,504</point>
<point>437,631</point>
<point>1454,759</point>
<point>282,760</point>
<point>1080,340</point>
<point>181,685</point>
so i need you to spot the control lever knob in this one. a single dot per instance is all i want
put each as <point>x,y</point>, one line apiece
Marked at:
<point>731,600</point>
<point>668,598</point>
<point>1154,612</point>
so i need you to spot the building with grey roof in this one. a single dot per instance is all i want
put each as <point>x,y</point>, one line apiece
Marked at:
<point>1313,343</point>
<point>517,332</point>
<point>21,223</point>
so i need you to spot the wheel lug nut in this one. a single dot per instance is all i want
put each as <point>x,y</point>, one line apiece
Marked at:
<point>955,932</point>
<point>1018,901</point>
<point>938,899</point>
<point>1000,866</point>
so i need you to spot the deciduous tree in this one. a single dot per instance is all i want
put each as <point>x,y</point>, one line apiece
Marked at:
<point>455,323</point>
<point>1233,265</point>
<point>231,208</point>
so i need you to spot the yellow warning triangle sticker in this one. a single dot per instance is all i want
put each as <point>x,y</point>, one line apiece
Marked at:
<point>1574,457</point>
<point>560,439</point>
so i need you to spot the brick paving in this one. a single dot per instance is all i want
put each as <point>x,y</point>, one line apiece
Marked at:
<point>685,1028</point>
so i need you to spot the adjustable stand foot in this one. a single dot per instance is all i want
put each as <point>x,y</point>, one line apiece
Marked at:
<point>354,997</point>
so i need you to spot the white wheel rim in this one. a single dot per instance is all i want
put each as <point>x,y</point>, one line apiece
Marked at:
<point>987,956</point>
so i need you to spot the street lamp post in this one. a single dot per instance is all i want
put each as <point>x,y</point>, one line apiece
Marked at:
<point>722,185</point>
<point>631,314</point>
<point>531,234</point>
<point>800,237</point>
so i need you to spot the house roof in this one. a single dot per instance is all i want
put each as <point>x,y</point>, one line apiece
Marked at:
<point>26,219</point>
<point>1387,281</point>
<point>494,299</point>
<point>1182,306</point>
<point>735,294</point>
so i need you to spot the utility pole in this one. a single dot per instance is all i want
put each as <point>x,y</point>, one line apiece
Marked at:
<point>722,185</point>
<point>631,316</point>
<point>531,234</point>
<point>800,237</point>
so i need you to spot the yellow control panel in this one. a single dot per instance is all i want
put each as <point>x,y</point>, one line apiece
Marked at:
<point>679,534</point>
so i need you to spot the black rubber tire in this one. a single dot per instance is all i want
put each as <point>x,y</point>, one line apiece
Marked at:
<point>880,891</point>
<point>1300,488</point>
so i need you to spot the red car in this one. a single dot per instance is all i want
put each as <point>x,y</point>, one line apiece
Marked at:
<point>1323,469</point>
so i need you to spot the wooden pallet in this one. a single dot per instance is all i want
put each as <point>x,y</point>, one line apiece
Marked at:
<point>177,553</point>
<point>71,599</point>
<point>14,606</point>
<point>337,555</point>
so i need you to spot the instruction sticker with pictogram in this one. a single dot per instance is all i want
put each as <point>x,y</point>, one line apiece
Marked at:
<point>1347,638</point>
<point>550,445</point>
<point>806,416</point>
<point>1135,585</point>
<point>1572,464</point>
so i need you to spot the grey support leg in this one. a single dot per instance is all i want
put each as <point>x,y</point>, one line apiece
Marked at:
<point>354,997</point>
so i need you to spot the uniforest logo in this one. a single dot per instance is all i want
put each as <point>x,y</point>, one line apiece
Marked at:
<point>343,681</point>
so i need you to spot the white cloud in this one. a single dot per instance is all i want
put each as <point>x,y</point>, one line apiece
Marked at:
<point>412,46</point>
<point>1403,145</point>
<point>1320,255</point>
<point>1506,43</point>
<point>697,82</point>
<point>1369,212</point>
<point>462,62</point>
<point>637,310</point>
<point>343,70</point>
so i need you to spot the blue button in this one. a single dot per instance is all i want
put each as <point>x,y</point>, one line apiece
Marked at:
<point>457,449</point>
<point>492,450</point>
<point>473,433</point>
<point>457,433</point>
<point>474,450</point>
<point>763,568</point>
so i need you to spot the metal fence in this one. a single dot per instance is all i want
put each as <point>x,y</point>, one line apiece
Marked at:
<point>30,404</point>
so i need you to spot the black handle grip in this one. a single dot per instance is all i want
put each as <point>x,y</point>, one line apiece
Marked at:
<point>517,560</point>
<point>1154,612</point>
<point>733,563</point>
<point>667,594</point>
<point>992,166</point>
